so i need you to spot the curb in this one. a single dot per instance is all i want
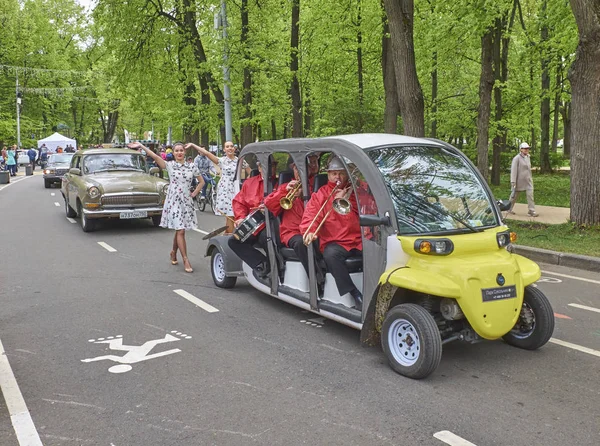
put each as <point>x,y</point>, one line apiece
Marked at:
<point>587,263</point>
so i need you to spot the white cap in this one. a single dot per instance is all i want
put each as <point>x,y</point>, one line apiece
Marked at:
<point>524,145</point>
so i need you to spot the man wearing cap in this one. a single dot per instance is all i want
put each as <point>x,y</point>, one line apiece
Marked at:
<point>247,200</point>
<point>340,236</point>
<point>289,228</point>
<point>521,179</point>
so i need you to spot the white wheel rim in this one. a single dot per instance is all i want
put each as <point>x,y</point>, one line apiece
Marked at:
<point>404,342</point>
<point>219,267</point>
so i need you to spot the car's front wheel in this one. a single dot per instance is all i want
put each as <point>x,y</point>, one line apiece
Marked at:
<point>536,321</point>
<point>411,340</point>
<point>218,272</point>
<point>69,210</point>
<point>87,225</point>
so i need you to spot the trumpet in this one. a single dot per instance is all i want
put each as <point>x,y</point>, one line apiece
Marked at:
<point>288,201</point>
<point>341,206</point>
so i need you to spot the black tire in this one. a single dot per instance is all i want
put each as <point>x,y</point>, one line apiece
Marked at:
<point>87,225</point>
<point>47,184</point>
<point>411,341</point>
<point>201,204</point>
<point>536,322</point>
<point>217,271</point>
<point>69,210</point>
<point>156,220</point>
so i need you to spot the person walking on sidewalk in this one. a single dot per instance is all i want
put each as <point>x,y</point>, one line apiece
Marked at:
<point>521,180</point>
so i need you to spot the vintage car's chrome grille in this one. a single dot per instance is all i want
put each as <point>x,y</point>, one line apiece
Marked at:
<point>130,200</point>
<point>61,171</point>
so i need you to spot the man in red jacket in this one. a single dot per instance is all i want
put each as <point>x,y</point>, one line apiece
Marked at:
<point>340,236</point>
<point>289,229</point>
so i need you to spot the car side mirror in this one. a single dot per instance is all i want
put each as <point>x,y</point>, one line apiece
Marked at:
<point>503,205</point>
<point>75,171</point>
<point>374,220</point>
<point>154,171</point>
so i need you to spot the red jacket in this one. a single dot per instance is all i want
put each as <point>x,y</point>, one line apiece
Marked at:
<point>249,197</point>
<point>290,219</point>
<point>342,229</point>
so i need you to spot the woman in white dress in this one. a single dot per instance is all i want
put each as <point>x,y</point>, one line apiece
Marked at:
<point>178,210</point>
<point>225,188</point>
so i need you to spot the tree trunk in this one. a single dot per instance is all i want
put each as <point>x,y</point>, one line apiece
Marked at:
<point>204,118</point>
<point>565,111</point>
<point>273,130</point>
<point>497,141</point>
<point>295,86</point>
<point>486,85</point>
<point>434,93</point>
<point>556,111</point>
<point>307,112</point>
<point>246,133</point>
<point>585,85</point>
<point>390,114</point>
<point>545,106</point>
<point>410,95</point>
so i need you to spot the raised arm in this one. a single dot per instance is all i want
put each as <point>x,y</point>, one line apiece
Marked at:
<point>201,151</point>
<point>157,159</point>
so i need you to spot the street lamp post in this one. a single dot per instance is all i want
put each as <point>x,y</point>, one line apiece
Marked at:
<point>226,91</point>
<point>18,112</point>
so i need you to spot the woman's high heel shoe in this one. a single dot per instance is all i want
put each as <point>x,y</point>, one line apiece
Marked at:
<point>188,269</point>
<point>174,258</point>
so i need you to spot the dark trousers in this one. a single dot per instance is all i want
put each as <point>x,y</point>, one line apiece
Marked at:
<point>12,168</point>
<point>301,250</point>
<point>335,258</point>
<point>246,251</point>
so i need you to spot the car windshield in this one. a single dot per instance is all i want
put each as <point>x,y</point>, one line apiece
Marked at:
<point>112,161</point>
<point>434,190</point>
<point>63,158</point>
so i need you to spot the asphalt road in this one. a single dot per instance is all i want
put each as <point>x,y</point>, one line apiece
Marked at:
<point>253,372</point>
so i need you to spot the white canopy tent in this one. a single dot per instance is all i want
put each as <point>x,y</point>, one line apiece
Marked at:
<point>56,140</point>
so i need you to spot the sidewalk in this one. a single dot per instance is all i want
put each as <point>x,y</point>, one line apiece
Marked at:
<point>553,216</point>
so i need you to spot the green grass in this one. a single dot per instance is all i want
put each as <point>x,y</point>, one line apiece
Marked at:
<point>549,189</point>
<point>566,237</point>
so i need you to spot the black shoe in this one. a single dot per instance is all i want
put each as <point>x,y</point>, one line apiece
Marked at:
<point>263,270</point>
<point>358,297</point>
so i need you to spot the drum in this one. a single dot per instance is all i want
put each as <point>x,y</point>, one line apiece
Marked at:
<point>251,225</point>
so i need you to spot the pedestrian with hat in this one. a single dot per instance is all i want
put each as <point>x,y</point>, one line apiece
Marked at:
<point>521,180</point>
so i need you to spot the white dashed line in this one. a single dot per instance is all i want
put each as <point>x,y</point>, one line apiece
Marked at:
<point>72,220</point>
<point>52,194</point>
<point>583,307</point>
<point>17,408</point>
<point>56,203</point>
<point>452,439</point>
<point>589,351</point>
<point>200,231</point>
<point>572,277</point>
<point>193,299</point>
<point>107,247</point>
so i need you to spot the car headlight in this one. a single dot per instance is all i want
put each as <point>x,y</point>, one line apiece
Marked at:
<point>49,171</point>
<point>165,189</point>
<point>506,238</point>
<point>93,192</point>
<point>434,246</point>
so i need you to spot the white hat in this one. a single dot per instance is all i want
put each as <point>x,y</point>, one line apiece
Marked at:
<point>524,145</point>
<point>335,164</point>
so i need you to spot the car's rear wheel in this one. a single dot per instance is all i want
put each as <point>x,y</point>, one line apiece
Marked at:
<point>87,225</point>
<point>411,340</point>
<point>217,269</point>
<point>156,220</point>
<point>536,321</point>
<point>69,210</point>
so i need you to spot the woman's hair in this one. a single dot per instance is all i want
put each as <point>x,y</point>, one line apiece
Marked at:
<point>178,143</point>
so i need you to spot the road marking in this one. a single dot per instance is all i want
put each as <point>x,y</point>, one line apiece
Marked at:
<point>583,307</point>
<point>72,220</point>
<point>17,408</point>
<point>572,277</point>
<point>452,439</point>
<point>561,316</point>
<point>200,231</point>
<point>193,299</point>
<point>107,247</point>
<point>13,181</point>
<point>56,203</point>
<point>52,194</point>
<point>549,280</point>
<point>589,351</point>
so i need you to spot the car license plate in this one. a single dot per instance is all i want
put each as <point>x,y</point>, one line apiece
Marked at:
<point>133,214</point>
<point>499,293</point>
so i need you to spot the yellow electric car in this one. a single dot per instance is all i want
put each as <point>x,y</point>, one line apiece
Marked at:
<point>434,266</point>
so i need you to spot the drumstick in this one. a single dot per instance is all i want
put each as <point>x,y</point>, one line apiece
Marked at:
<point>225,215</point>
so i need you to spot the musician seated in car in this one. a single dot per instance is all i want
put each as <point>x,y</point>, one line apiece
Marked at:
<point>339,235</point>
<point>248,200</point>
<point>290,194</point>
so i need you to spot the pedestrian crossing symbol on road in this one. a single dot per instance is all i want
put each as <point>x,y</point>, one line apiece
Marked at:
<point>135,353</point>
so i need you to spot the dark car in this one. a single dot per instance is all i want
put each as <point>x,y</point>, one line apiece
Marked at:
<point>58,165</point>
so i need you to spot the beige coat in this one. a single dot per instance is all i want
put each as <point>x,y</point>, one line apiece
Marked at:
<point>520,173</point>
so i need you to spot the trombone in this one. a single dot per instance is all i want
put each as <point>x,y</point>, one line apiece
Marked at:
<point>341,206</point>
<point>287,202</point>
